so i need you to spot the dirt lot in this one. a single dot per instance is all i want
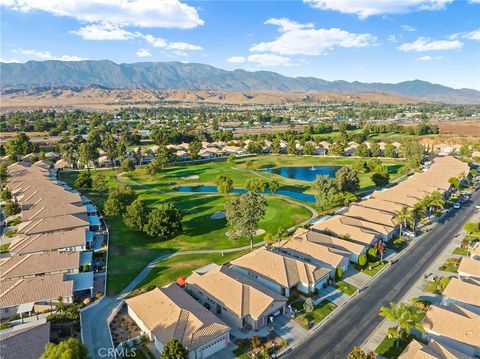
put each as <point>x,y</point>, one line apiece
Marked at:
<point>468,128</point>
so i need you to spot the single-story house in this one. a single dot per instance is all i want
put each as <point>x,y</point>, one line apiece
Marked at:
<point>455,327</point>
<point>13,268</point>
<point>237,299</point>
<point>33,293</point>
<point>381,205</point>
<point>372,215</point>
<point>170,312</point>
<point>469,268</point>
<point>347,229</point>
<point>475,251</point>
<point>464,293</point>
<point>26,341</point>
<point>298,246</point>
<point>431,350</point>
<point>62,241</point>
<point>281,273</point>
<point>53,224</point>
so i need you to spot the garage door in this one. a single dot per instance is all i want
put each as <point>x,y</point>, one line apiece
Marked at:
<point>214,347</point>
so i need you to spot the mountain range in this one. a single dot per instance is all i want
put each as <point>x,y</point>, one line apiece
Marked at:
<point>201,77</point>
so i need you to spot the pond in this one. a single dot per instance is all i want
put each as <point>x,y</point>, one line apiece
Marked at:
<point>212,189</point>
<point>307,173</point>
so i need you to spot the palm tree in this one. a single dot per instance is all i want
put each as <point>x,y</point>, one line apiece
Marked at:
<point>434,201</point>
<point>403,217</point>
<point>407,317</point>
<point>348,197</point>
<point>417,212</point>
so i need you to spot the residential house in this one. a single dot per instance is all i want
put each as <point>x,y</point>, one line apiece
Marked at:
<point>26,342</point>
<point>455,327</point>
<point>383,222</point>
<point>431,350</point>
<point>281,273</point>
<point>53,224</point>
<point>464,293</point>
<point>469,268</point>
<point>239,300</point>
<point>170,312</point>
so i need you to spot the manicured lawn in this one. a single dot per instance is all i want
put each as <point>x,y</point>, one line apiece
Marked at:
<point>461,251</point>
<point>388,347</point>
<point>450,265</point>
<point>397,245</point>
<point>130,251</point>
<point>345,287</point>
<point>170,269</point>
<point>372,268</point>
<point>317,315</point>
<point>437,285</point>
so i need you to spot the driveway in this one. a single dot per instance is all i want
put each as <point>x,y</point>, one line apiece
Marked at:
<point>352,325</point>
<point>356,278</point>
<point>333,295</point>
<point>288,329</point>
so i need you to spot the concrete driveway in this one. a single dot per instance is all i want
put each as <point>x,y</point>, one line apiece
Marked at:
<point>356,278</point>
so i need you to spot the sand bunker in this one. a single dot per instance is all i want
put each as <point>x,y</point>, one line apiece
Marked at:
<point>259,232</point>
<point>194,177</point>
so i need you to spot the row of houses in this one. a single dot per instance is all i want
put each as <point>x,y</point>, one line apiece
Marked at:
<point>452,328</point>
<point>374,219</point>
<point>250,291</point>
<point>50,256</point>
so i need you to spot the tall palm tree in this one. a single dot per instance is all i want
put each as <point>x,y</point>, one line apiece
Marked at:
<point>417,212</point>
<point>434,201</point>
<point>407,317</point>
<point>403,217</point>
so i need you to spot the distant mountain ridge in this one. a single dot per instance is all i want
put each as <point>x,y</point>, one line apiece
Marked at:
<point>199,77</point>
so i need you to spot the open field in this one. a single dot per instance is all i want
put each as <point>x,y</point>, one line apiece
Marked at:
<point>467,128</point>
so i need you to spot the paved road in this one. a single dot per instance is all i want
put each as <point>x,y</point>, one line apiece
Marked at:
<point>359,318</point>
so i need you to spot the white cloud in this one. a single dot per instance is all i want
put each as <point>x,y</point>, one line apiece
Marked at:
<point>143,53</point>
<point>393,38</point>
<point>31,54</point>
<point>313,41</point>
<point>408,28</point>
<point>183,46</point>
<point>288,25</point>
<point>262,60</point>
<point>425,44</point>
<point>139,13</point>
<point>154,41</point>
<point>473,35</point>
<point>429,58</point>
<point>103,32</point>
<point>236,59</point>
<point>366,8</point>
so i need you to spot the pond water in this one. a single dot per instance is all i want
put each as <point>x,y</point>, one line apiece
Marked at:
<point>307,173</point>
<point>212,189</point>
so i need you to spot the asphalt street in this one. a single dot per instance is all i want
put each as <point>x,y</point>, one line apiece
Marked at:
<point>358,319</point>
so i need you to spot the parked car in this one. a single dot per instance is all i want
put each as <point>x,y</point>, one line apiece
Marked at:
<point>410,234</point>
<point>477,206</point>
<point>456,205</point>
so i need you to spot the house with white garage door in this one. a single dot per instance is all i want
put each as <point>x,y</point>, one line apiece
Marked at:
<point>170,312</point>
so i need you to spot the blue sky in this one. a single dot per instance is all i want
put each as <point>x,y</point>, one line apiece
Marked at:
<point>362,40</point>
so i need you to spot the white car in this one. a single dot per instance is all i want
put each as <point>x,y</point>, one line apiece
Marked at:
<point>477,206</point>
<point>456,205</point>
<point>410,234</point>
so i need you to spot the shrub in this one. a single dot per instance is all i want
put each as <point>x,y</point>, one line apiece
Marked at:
<point>99,183</point>
<point>10,233</point>
<point>118,199</point>
<point>5,194</point>
<point>308,305</point>
<point>362,259</point>
<point>339,273</point>
<point>14,222</point>
<point>372,254</point>
<point>11,208</point>
<point>84,180</point>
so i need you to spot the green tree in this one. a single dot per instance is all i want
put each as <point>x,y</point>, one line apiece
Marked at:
<point>127,165</point>
<point>325,191</point>
<point>112,148</point>
<point>381,177</point>
<point>471,227</point>
<point>4,174</point>
<point>243,214</point>
<point>11,208</point>
<point>224,184</point>
<point>255,184</point>
<point>87,153</point>
<point>362,259</point>
<point>434,202</point>
<point>164,156</point>
<point>19,145</point>
<point>360,166</point>
<point>84,181</point>
<point>339,273</point>
<point>455,182</point>
<point>69,349</point>
<point>292,147</point>
<point>358,353</point>
<point>362,151</point>
<point>164,222</point>
<point>5,194</point>
<point>231,159</point>
<point>136,215</point>
<point>336,149</point>
<point>308,305</point>
<point>407,318</point>
<point>413,152</point>
<point>390,151</point>
<point>375,150</point>
<point>347,180</point>
<point>402,217</point>
<point>194,149</point>
<point>119,198</point>
<point>276,148</point>
<point>273,186</point>
<point>99,183</point>
<point>417,212</point>
<point>348,197</point>
<point>465,150</point>
<point>309,149</point>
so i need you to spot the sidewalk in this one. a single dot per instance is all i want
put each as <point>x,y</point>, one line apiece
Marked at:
<point>417,290</point>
